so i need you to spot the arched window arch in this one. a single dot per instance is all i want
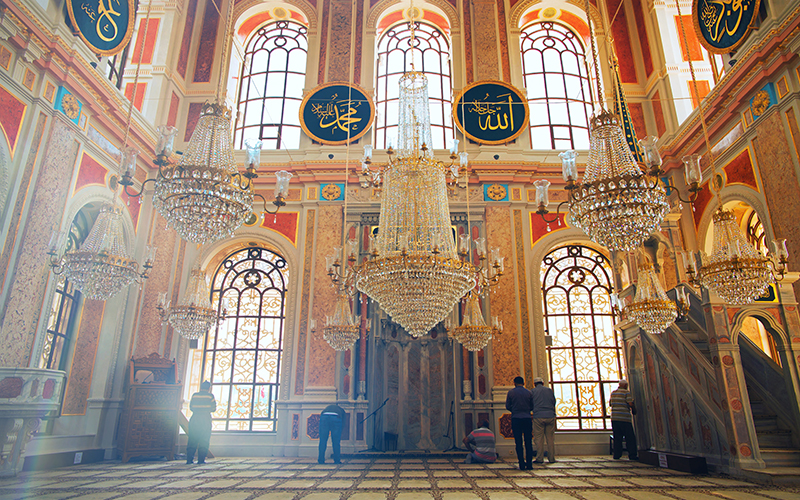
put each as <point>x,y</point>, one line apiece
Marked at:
<point>585,358</point>
<point>242,355</point>
<point>431,55</point>
<point>271,86</point>
<point>559,94</point>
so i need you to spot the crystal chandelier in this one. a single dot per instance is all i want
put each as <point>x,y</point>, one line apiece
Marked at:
<point>102,266</point>
<point>651,309</point>
<point>205,197</point>
<point>193,316</point>
<point>413,271</point>
<point>473,333</point>
<point>340,331</point>
<point>736,271</point>
<point>616,205</point>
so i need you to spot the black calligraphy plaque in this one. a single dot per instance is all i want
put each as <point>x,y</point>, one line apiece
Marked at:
<point>723,25</point>
<point>105,26</point>
<point>336,113</point>
<point>491,112</point>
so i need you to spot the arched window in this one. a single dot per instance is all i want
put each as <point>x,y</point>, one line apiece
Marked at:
<point>271,87</point>
<point>242,356</point>
<point>66,301</point>
<point>585,356</point>
<point>559,95</point>
<point>431,55</point>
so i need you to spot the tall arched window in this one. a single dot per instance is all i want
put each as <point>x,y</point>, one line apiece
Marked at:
<point>271,87</point>
<point>242,356</point>
<point>585,356</point>
<point>559,94</point>
<point>431,55</point>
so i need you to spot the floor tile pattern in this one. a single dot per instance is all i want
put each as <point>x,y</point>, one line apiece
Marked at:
<point>571,478</point>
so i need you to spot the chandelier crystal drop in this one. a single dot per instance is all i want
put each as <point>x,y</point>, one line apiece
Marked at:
<point>201,197</point>
<point>102,266</point>
<point>616,205</point>
<point>415,274</point>
<point>736,271</point>
<point>193,316</point>
<point>473,333</point>
<point>340,332</point>
<point>651,309</point>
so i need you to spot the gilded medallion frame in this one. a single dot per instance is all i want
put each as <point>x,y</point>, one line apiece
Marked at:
<point>352,138</point>
<point>460,126</point>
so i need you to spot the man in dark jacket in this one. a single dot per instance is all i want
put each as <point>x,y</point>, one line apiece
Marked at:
<point>202,405</point>
<point>519,402</point>
<point>330,421</point>
<point>544,420</point>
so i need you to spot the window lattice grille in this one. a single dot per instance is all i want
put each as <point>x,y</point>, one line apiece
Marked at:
<point>585,359</point>
<point>242,355</point>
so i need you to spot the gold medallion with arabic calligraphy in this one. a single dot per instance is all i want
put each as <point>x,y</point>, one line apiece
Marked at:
<point>337,113</point>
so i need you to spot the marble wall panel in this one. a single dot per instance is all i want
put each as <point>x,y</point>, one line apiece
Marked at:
<point>505,347</point>
<point>358,43</point>
<point>12,111</point>
<point>322,358</point>
<point>468,57</point>
<point>622,43</point>
<point>20,314</point>
<point>340,41</point>
<point>503,32</point>
<point>658,114</point>
<point>485,39</point>
<point>148,333</point>
<point>172,116</point>
<point>207,44</point>
<point>19,203</point>
<point>151,32</point>
<point>323,46</point>
<point>79,381</point>
<point>780,184</point>
<point>302,334</point>
<point>186,40</point>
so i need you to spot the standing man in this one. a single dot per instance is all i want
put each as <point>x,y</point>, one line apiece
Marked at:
<point>482,439</point>
<point>544,420</point>
<point>622,407</point>
<point>330,422</point>
<point>202,405</point>
<point>519,402</point>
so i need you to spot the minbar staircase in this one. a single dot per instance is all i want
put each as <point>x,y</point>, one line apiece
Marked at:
<point>774,437</point>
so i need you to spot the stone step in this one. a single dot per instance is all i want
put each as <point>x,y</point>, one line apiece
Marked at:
<point>775,439</point>
<point>777,476</point>
<point>765,423</point>
<point>781,457</point>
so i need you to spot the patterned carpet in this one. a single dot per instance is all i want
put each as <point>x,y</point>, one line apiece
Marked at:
<point>587,478</point>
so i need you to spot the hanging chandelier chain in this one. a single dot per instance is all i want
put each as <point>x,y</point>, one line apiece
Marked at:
<point>136,77</point>
<point>595,57</point>
<point>696,92</point>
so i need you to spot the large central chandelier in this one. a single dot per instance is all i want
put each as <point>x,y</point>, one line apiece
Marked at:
<point>102,266</point>
<point>193,316</point>
<point>415,274</point>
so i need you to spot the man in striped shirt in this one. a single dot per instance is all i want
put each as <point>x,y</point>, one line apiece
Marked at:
<point>482,439</point>
<point>202,405</point>
<point>622,406</point>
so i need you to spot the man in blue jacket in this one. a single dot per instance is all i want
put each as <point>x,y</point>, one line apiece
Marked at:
<point>202,405</point>
<point>519,402</point>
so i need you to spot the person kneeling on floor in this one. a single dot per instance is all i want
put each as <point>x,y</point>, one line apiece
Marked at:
<point>481,444</point>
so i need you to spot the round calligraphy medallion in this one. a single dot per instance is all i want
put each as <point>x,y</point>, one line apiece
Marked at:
<point>336,113</point>
<point>721,27</point>
<point>105,26</point>
<point>491,112</point>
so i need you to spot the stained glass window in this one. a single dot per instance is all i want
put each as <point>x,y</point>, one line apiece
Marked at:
<point>431,55</point>
<point>584,359</point>
<point>559,96</point>
<point>271,87</point>
<point>242,356</point>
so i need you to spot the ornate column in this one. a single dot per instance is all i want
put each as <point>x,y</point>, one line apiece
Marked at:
<point>727,363</point>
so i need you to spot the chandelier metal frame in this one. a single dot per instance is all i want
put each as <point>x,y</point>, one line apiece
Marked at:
<point>194,315</point>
